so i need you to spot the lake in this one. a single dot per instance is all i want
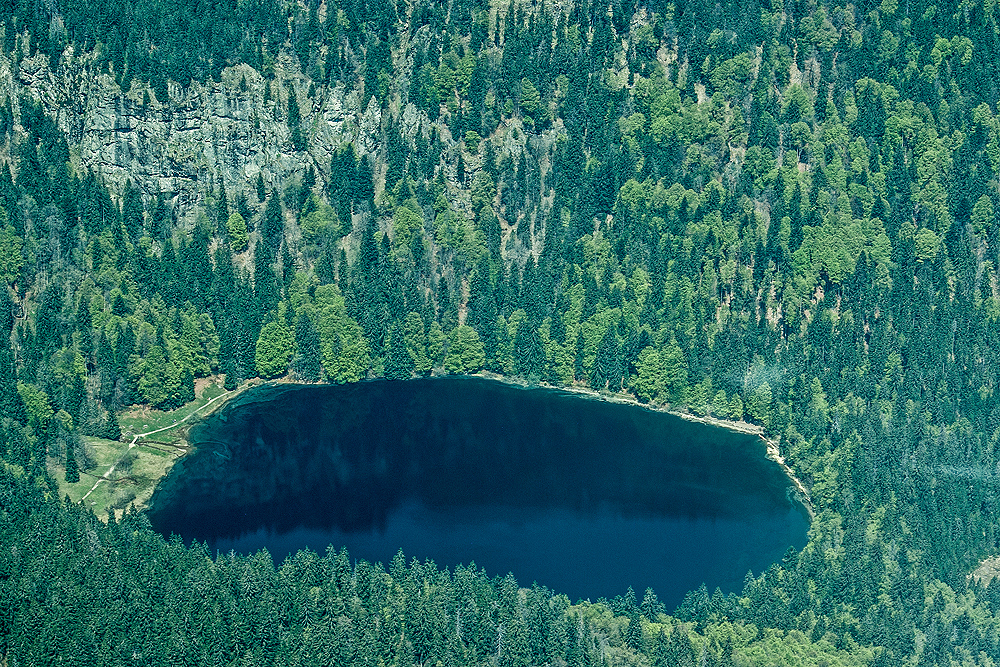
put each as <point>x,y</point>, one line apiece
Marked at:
<point>584,496</point>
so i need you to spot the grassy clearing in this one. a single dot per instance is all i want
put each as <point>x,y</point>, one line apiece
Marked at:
<point>104,453</point>
<point>138,469</point>
<point>145,419</point>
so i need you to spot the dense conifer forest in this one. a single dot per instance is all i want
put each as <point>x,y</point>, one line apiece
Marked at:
<point>778,212</point>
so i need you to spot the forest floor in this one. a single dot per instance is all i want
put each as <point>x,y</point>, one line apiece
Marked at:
<point>152,440</point>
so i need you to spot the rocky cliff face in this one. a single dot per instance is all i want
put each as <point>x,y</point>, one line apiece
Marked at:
<point>231,130</point>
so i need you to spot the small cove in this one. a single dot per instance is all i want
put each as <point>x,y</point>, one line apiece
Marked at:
<point>584,496</point>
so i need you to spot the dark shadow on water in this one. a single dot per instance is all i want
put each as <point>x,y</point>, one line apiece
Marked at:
<point>584,496</point>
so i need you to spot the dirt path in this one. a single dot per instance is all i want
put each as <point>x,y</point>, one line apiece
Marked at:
<point>135,441</point>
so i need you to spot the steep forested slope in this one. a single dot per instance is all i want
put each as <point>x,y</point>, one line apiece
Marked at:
<point>784,213</point>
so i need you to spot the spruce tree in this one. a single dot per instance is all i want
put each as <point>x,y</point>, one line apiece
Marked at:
<point>273,227</point>
<point>72,469</point>
<point>261,192</point>
<point>398,364</point>
<point>112,430</point>
<point>529,353</point>
<point>307,362</point>
<point>607,371</point>
<point>295,122</point>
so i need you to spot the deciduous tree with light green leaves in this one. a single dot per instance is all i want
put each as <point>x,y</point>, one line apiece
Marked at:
<point>416,343</point>
<point>759,404</point>
<point>926,242</point>
<point>237,228</point>
<point>436,344</point>
<point>530,97</point>
<point>343,348</point>
<point>661,374</point>
<point>275,348</point>
<point>158,378</point>
<point>36,404</point>
<point>465,351</point>
<point>11,259</point>
<point>406,220</point>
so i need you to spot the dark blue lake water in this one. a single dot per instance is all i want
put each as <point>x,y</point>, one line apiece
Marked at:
<point>583,496</point>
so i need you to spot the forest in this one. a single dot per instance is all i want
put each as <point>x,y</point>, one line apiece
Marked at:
<point>778,212</point>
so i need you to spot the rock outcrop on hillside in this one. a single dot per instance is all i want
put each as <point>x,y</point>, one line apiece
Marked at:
<point>230,130</point>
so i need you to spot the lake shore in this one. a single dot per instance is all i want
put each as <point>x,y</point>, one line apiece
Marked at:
<point>127,470</point>
<point>773,451</point>
<point>489,460</point>
<point>801,492</point>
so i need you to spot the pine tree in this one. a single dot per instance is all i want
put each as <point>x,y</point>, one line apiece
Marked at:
<point>399,364</point>
<point>222,204</point>
<point>607,371</point>
<point>10,401</point>
<point>482,309</point>
<point>273,225</point>
<point>72,470</point>
<point>295,122</point>
<point>529,353</point>
<point>633,633</point>
<point>307,362</point>
<point>132,213</point>
<point>112,430</point>
<point>227,366</point>
<point>578,350</point>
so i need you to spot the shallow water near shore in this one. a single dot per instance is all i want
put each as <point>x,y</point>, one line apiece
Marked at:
<point>584,496</point>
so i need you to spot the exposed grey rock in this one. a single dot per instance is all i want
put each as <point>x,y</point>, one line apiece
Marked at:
<point>206,131</point>
<point>234,129</point>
